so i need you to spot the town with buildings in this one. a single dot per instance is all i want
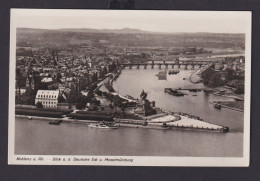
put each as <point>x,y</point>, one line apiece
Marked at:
<point>76,80</point>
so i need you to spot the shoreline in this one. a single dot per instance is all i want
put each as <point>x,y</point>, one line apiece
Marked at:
<point>180,124</point>
<point>195,75</point>
<point>227,107</point>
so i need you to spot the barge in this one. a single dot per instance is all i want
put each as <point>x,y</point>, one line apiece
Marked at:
<point>173,92</point>
<point>217,106</point>
<point>172,72</point>
<point>55,122</point>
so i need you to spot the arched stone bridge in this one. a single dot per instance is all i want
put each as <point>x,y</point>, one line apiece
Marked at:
<point>167,64</point>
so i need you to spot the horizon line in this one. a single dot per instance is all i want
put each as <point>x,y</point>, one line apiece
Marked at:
<point>147,31</point>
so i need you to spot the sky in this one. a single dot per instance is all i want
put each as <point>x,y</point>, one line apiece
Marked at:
<point>155,21</point>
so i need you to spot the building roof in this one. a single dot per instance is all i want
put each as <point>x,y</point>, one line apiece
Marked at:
<point>47,79</point>
<point>51,94</point>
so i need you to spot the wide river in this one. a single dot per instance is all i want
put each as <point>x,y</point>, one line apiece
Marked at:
<point>38,137</point>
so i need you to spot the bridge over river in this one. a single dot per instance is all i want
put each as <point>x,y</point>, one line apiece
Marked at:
<point>178,64</point>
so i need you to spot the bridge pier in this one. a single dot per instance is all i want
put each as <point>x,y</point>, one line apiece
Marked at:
<point>193,64</point>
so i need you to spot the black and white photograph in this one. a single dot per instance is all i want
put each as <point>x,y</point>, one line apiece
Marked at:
<point>129,87</point>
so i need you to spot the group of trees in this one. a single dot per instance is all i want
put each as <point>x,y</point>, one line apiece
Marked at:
<point>81,100</point>
<point>215,79</point>
<point>24,52</point>
<point>212,78</point>
<point>117,102</point>
<point>28,98</point>
<point>240,89</point>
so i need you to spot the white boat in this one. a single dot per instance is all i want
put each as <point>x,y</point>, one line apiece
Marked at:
<point>102,126</point>
<point>93,125</point>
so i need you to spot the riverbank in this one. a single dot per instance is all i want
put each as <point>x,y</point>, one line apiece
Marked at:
<point>160,121</point>
<point>195,77</point>
<point>236,105</point>
<point>233,105</point>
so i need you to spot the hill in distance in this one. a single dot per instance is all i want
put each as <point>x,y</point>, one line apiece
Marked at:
<point>129,37</point>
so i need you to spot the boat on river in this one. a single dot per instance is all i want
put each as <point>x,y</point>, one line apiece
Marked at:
<point>55,122</point>
<point>193,90</point>
<point>217,106</point>
<point>173,92</point>
<point>170,72</point>
<point>102,126</point>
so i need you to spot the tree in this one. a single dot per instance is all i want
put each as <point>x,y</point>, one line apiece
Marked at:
<point>117,100</point>
<point>230,74</point>
<point>29,92</point>
<point>20,82</point>
<point>43,86</point>
<point>81,102</point>
<point>39,105</point>
<point>59,75</point>
<point>123,106</point>
<point>99,92</point>
<point>216,80</point>
<point>18,99</point>
<point>239,89</point>
<point>206,74</point>
<point>28,100</point>
<point>72,97</point>
<point>104,94</point>
<point>61,98</point>
<point>37,81</point>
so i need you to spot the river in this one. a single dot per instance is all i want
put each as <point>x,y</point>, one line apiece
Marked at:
<point>39,138</point>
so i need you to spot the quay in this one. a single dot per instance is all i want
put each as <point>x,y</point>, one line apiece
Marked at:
<point>191,89</point>
<point>173,121</point>
<point>164,121</point>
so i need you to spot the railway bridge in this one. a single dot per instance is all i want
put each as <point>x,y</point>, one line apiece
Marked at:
<point>168,64</point>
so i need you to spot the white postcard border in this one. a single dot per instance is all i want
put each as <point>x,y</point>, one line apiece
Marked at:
<point>124,160</point>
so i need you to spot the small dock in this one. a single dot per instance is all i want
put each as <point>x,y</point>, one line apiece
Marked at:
<point>191,89</point>
<point>194,88</point>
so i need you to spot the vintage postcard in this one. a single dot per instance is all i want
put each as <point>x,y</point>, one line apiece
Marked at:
<point>130,88</point>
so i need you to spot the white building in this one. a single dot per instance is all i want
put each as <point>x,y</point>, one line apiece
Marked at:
<point>48,98</point>
<point>47,79</point>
